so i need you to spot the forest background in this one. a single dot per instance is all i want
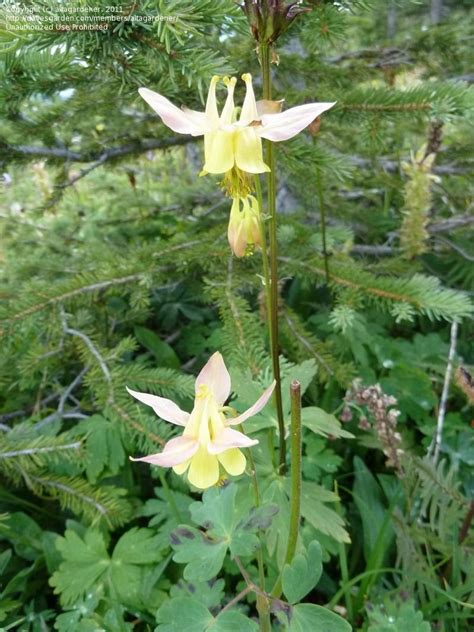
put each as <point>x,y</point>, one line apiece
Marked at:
<point>115,270</point>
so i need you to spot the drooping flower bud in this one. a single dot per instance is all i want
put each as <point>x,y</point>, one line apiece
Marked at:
<point>268,19</point>
<point>244,229</point>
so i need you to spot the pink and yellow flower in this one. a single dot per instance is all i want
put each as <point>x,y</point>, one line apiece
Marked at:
<point>208,440</point>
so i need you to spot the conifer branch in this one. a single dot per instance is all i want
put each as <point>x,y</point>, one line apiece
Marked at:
<point>93,349</point>
<point>20,152</point>
<point>36,451</point>
<point>425,294</point>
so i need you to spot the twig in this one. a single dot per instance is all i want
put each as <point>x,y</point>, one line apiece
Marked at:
<point>59,413</point>
<point>435,446</point>
<point>394,166</point>
<point>443,226</point>
<point>236,599</point>
<point>31,451</point>
<point>16,151</point>
<point>93,349</point>
<point>25,411</point>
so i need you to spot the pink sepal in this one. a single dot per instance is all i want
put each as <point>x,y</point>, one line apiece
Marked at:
<point>182,122</point>
<point>230,439</point>
<point>164,408</point>
<point>176,451</point>
<point>215,376</point>
<point>257,407</point>
<point>287,124</point>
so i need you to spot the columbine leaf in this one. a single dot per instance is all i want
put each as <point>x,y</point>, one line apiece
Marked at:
<point>181,614</point>
<point>86,564</point>
<point>185,613</point>
<point>192,547</point>
<point>303,573</point>
<point>306,616</point>
<point>314,510</point>
<point>303,373</point>
<point>322,423</point>
<point>225,529</point>
<point>276,535</point>
<point>210,594</point>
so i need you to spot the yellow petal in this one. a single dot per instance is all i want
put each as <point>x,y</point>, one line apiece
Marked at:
<point>219,151</point>
<point>182,467</point>
<point>204,469</point>
<point>228,110</point>
<point>249,107</point>
<point>248,151</point>
<point>233,461</point>
<point>212,114</point>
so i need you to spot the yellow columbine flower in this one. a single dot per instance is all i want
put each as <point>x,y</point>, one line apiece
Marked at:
<point>229,143</point>
<point>207,440</point>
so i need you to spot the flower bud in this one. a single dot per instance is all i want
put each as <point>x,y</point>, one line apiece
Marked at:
<point>268,19</point>
<point>244,229</point>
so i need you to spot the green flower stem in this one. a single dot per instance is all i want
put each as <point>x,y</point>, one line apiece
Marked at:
<point>343,562</point>
<point>262,602</point>
<point>322,209</point>
<point>263,239</point>
<point>295,500</point>
<point>265,58</point>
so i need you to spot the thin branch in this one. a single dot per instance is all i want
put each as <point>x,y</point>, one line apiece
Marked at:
<point>93,349</point>
<point>70,490</point>
<point>32,451</point>
<point>59,413</point>
<point>394,166</point>
<point>236,599</point>
<point>137,147</point>
<point>443,226</point>
<point>436,443</point>
<point>458,249</point>
<point>25,411</point>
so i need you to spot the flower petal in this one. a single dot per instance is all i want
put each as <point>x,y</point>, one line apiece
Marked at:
<point>164,408</point>
<point>176,451</point>
<point>248,151</point>
<point>249,107</point>
<point>266,106</point>
<point>204,469</point>
<point>212,113</point>
<point>287,124</point>
<point>181,468</point>
<point>233,461</point>
<point>178,120</point>
<point>215,376</point>
<point>228,109</point>
<point>257,407</point>
<point>230,439</point>
<point>219,151</point>
<point>235,230</point>
<point>198,118</point>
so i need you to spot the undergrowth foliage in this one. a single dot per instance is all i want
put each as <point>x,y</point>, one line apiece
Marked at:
<point>115,272</point>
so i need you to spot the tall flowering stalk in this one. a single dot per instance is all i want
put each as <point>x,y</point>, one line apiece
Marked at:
<point>233,149</point>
